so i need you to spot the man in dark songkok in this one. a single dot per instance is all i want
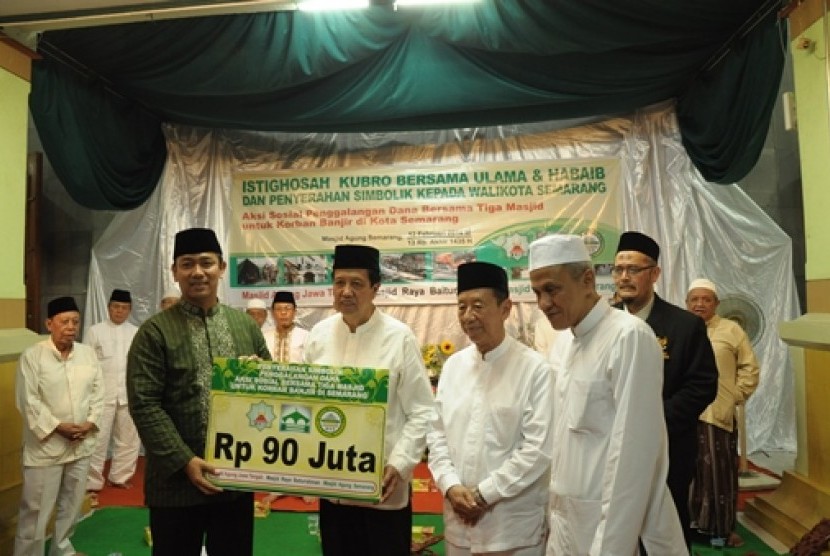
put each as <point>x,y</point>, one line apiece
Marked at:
<point>490,440</point>
<point>360,335</point>
<point>690,375</point>
<point>59,392</point>
<point>169,371</point>
<point>287,341</point>
<point>111,341</point>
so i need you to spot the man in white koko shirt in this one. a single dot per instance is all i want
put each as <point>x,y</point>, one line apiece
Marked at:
<point>610,450</point>
<point>111,340</point>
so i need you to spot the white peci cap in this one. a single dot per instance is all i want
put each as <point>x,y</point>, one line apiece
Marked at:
<point>557,249</point>
<point>172,292</point>
<point>256,304</point>
<point>703,283</point>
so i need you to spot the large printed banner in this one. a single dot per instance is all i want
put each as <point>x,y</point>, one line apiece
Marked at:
<point>299,429</point>
<point>425,221</point>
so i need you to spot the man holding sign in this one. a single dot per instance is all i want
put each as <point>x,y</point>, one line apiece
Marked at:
<point>362,336</point>
<point>169,370</point>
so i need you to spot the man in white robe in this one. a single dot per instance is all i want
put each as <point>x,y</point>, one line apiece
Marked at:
<point>360,335</point>
<point>490,442</point>
<point>609,462</point>
<point>256,310</point>
<point>59,392</point>
<point>285,340</point>
<point>170,297</point>
<point>111,340</point>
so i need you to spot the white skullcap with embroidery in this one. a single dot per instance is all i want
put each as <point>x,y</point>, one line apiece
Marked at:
<point>172,292</point>
<point>557,249</point>
<point>703,283</point>
<point>256,304</point>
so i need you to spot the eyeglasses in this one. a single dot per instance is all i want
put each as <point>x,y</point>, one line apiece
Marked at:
<point>631,270</point>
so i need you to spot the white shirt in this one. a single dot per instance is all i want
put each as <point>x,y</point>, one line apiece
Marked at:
<point>296,342</point>
<point>383,343</point>
<point>49,391</point>
<point>610,461</point>
<point>492,429</point>
<point>111,343</point>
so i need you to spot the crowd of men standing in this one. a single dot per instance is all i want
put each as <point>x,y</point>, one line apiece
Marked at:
<point>591,448</point>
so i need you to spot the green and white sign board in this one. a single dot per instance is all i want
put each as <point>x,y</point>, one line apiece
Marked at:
<point>298,429</point>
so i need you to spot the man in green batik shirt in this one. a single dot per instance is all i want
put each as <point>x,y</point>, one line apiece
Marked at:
<point>169,371</point>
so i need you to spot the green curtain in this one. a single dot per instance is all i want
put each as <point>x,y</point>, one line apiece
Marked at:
<point>379,70</point>
<point>107,151</point>
<point>724,113</point>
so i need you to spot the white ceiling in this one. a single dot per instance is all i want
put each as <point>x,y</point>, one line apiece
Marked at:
<point>28,7</point>
<point>23,17</point>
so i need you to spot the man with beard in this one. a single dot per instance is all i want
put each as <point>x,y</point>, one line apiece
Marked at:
<point>690,379</point>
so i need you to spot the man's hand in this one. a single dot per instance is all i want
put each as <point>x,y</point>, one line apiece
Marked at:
<point>390,481</point>
<point>196,469</point>
<point>463,502</point>
<point>75,433</point>
<point>70,431</point>
<point>87,428</point>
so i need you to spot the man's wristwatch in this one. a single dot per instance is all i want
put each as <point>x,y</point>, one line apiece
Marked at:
<point>480,501</point>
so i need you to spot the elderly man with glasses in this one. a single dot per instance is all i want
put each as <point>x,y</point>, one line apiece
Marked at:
<point>690,379</point>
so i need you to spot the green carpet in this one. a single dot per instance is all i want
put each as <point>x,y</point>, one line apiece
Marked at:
<point>121,530</point>
<point>752,545</point>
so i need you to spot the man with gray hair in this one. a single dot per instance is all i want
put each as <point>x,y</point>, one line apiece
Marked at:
<point>609,462</point>
<point>490,442</point>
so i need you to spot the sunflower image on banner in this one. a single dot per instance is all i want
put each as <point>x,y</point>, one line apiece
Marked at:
<point>435,355</point>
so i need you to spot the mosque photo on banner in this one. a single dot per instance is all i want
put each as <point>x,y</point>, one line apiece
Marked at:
<point>403,267</point>
<point>256,271</point>
<point>445,264</point>
<point>603,269</point>
<point>305,269</point>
